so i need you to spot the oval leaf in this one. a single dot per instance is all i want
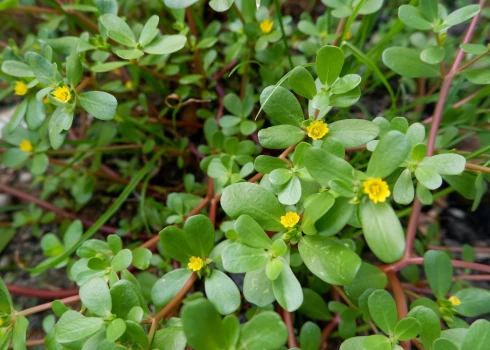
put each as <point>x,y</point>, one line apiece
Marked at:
<point>407,63</point>
<point>383,231</point>
<point>332,262</point>
<point>222,292</point>
<point>255,201</point>
<point>98,103</point>
<point>391,151</point>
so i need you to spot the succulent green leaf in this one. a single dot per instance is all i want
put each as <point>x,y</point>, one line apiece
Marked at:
<point>382,230</point>
<point>330,261</point>
<point>255,201</point>
<point>329,63</point>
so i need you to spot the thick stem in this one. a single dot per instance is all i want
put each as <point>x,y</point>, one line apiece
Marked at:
<point>35,9</point>
<point>84,83</point>
<point>48,206</point>
<point>34,342</point>
<point>446,85</point>
<point>402,263</point>
<point>155,191</point>
<point>339,30</point>
<point>286,315</point>
<point>41,293</point>
<point>47,306</point>
<point>180,295</point>
<point>459,249</point>
<point>221,108</point>
<point>401,302</point>
<point>238,13</point>
<point>436,121</point>
<point>330,327</point>
<point>344,297</point>
<point>476,167</point>
<point>412,228</point>
<point>470,62</point>
<point>466,99</point>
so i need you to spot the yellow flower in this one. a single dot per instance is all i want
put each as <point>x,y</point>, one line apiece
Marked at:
<point>376,189</point>
<point>455,300</point>
<point>20,88</point>
<point>266,26</point>
<point>128,84</point>
<point>62,94</point>
<point>195,264</point>
<point>317,129</point>
<point>348,36</point>
<point>290,219</point>
<point>25,146</point>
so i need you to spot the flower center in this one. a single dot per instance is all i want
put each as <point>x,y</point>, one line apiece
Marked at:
<point>290,219</point>
<point>266,26</point>
<point>375,189</point>
<point>25,146</point>
<point>195,263</point>
<point>62,94</point>
<point>317,129</point>
<point>455,300</point>
<point>20,88</point>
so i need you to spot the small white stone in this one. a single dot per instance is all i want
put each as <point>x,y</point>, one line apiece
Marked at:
<point>4,199</point>
<point>25,177</point>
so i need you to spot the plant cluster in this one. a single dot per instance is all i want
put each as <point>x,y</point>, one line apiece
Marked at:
<point>278,157</point>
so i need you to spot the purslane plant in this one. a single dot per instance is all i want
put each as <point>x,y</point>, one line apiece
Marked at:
<point>296,235</point>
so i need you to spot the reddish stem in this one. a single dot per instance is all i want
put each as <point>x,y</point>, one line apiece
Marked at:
<point>401,302</point>
<point>41,293</point>
<point>412,228</point>
<point>397,266</point>
<point>339,31</point>
<point>286,315</point>
<point>221,108</point>
<point>192,148</point>
<point>34,342</point>
<point>37,9</point>
<point>47,306</point>
<point>182,123</point>
<point>153,191</point>
<point>459,249</point>
<point>446,85</point>
<point>330,327</point>
<point>225,69</point>
<point>169,307</point>
<point>48,206</point>
<point>407,258</point>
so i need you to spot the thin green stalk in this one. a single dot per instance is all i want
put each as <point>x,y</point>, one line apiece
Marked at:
<point>368,62</point>
<point>478,152</point>
<point>459,139</point>
<point>481,130</point>
<point>142,203</point>
<point>286,46</point>
<point>367,24</point>
<point>70,164</point>
<point>48,263</point>
<point>351,19</point>
<point>377,50</point>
